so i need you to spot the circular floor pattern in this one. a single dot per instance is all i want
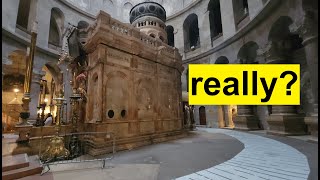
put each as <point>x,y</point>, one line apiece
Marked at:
<point>262,158</point>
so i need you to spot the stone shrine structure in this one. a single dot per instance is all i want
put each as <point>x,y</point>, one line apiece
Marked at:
<point>134,81</point>
<point>130,82</point>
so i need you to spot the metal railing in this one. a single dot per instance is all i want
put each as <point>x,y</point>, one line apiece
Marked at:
<point>78,145</point>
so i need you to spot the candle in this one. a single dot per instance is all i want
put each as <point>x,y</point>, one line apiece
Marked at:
<point>34,27</point>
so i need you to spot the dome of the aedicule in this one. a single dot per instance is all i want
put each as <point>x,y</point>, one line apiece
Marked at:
<point>147,9</point>
<point>120,9</point>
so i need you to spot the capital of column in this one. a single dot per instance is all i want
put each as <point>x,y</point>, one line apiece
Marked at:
<point>308,31</point>
<point>37,77</point>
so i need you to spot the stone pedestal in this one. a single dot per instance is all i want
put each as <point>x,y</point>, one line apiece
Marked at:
<point>22,141</point>
<point>285,121</point>
<point>312,123</point>
<point>246,120</point>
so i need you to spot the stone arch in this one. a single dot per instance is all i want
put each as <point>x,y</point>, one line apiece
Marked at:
<point>191,32</point>
<point>56,27</point>
<point>108,2</point>
<point>56,74</point>
<point>215,18</point>
<point>222,60</point>
<point>170,35</point>
<point>282,41</point>
<point>248,53</point>
<point>280,28</point>
<point>14,68</point>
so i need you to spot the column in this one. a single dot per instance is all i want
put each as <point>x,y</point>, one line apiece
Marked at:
<point>283,120</point>
<point>227,18</point>
<point>35,86</point>
<point>204,31</point>
<point>246,119</point>
<point>309,33</point>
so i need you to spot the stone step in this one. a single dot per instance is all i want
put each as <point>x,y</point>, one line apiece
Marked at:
<point>14,162</point>
<point>22,172</point>
<point>33,168</point>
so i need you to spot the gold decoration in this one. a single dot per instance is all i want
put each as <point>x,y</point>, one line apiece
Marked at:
<point>56,148</point>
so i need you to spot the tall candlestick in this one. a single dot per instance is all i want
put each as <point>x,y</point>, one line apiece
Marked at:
<point>44,91</point>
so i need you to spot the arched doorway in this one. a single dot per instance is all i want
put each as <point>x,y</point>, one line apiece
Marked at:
<point>12,88</point>
<point>202,115</point>
<point>191,33</point>
<point>170,35</point>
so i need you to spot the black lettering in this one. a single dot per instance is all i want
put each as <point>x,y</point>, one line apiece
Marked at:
<point>254,83</point>
<point>245,82</point>
<point>234,86</point>
<point>207,86</point>
<point>267,90</point>
<point>194,84</point>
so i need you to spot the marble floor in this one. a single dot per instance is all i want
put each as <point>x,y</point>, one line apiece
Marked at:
<point>261,158</point>
<point>205,154</point>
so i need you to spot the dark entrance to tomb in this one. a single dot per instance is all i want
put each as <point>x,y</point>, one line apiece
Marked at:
<point>202,115</point>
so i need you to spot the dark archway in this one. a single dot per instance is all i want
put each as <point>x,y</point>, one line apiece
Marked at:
<point>191,33</point>
<point>215,18</point>
<point>170,35</point>
<point>202,115</point>
<point>283,41</point>
<point>248,53</point>
<point>222,60</point>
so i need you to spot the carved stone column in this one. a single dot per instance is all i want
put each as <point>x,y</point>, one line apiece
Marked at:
<point>35,86</point>
<point>309,34</point>
<point>283,120</point>
<point>246,119</point>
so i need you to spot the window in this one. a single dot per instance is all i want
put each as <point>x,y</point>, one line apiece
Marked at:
<point>215,18</point>
<point>191,32</point>
<point>241,11</point>
<point>170,35</point>
<point>56,27</point>
<point>23,14</point>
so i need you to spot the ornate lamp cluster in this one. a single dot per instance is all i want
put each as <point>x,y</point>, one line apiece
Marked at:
<point>56,149</point>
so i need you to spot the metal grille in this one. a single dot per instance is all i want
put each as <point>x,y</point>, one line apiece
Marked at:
<point>78,145</point>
